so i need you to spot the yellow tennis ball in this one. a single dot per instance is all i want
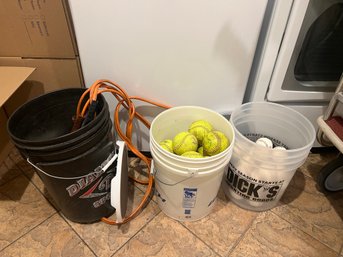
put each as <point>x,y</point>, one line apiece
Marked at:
<point>167,145</point>
<point>215,142</point>
<point>192,154</point>
<point>184,142</point>
<point>199,129</point>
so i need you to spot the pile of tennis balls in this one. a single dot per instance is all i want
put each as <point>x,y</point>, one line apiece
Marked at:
<point>201,140</point>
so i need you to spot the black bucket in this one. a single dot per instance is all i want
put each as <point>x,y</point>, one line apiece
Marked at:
<point>81,186</point>
<point>62,151</point>
<point>46,154</point>
<point>71,143</point>
<point>47,119</point>
<point>75,167</point>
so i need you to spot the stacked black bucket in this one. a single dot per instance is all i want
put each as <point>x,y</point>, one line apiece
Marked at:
<point>70,163</point>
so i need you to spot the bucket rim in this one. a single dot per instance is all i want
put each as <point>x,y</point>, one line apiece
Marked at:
<point>70,151</point>
<point>16,139</point>
<point>267,150</point>
<point>280,161</point>
<point>194,172</point>
<point>199,169</point>
<point>110,144</point>
<point>185,159</point>
<point>106,121</point>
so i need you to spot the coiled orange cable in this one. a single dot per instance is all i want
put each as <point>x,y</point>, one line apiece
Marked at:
<point>103,86</point>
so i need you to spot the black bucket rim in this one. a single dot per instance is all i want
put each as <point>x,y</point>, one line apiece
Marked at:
<point>69,143</point>
<point>64,137</point>
<point>92,149</point>
<point>71,151</point>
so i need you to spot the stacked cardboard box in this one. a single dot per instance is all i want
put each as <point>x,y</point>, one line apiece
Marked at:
<point>11,78</point>
<point>36,34</point>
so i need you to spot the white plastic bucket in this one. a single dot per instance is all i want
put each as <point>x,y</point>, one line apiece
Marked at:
<point>186,188</point>
<point>258,176</point>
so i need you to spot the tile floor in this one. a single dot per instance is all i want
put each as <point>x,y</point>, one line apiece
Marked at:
<point>305,223</point>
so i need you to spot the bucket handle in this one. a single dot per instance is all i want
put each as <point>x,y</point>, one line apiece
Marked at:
<point>191,172</point>
<point>108,164</point>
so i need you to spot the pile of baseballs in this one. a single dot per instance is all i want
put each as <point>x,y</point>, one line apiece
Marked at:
<point>266,142</point>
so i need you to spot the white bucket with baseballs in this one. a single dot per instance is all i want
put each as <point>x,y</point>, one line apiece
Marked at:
<point>185,188</point>
<point>258,175</point>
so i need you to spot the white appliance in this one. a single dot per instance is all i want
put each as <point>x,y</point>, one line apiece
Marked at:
<point>299,57</point>
<point>195,52</point>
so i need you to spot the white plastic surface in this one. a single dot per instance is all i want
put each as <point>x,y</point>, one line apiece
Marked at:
<point>196,52</point>
<point>186,188</point>
<point>268,48</point>
<point>283,85</point>
<point>119,188</point>
<point>170,122</point>
<point>279,148</point>
<point>258,176</point>
<point>311,112</point>
<point>279,50</point>
<point>270,74</point>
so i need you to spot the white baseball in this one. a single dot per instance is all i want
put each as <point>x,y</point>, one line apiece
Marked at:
<point>279,148</point>
<point>266,142</point>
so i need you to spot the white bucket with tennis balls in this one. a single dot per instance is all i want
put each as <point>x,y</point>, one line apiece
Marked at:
<point>258,176</point>
<point>186,188</point>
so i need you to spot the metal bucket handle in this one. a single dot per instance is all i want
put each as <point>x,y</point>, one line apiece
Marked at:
<point>107,165</point>
<point>191,172</point>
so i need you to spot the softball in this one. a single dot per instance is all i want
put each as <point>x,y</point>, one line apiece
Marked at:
<point>167,145</point>
<point>184,142</point>
<point>201,150</point>
<point>215,142</point>
<point>199,129</point>
<point>192,154</point>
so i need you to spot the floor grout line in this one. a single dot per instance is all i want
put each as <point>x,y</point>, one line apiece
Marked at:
<point>177,221</point>
<point>51,204</point>
<point>23,173</point>
<point>50,216</point>
<point>8,169</point>
<point>182,224</point>
<point>146,224</point>
<point>109,225</point>
<point>78,235</point>
<point>154,216</point>
<point>31,182</point>
<point>151,199</point>
<point>238,240</point>
<point>305,232</point>
<point>242,236</point>
<point>11,179</point>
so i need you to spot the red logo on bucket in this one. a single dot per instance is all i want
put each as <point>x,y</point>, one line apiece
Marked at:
<point>82,183</point>
<point>100,184</point>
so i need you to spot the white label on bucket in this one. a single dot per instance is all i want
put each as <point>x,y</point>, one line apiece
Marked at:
<point>189,197</point>
<point>252,189</point>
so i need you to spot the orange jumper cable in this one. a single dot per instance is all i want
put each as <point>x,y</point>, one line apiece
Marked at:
<point>102,86</point>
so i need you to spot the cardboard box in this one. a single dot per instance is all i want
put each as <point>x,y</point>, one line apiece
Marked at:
<point>50,75</point>
<point>11,78</point>
<point>36,28</point>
